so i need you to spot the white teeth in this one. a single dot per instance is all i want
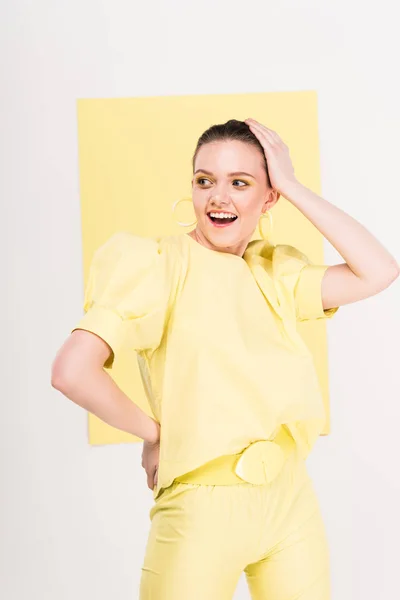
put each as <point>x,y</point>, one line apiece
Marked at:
<point>220,215</point>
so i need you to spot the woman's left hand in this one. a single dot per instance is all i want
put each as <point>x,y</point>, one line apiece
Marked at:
<point>150,462</point>
<point>280,167</point>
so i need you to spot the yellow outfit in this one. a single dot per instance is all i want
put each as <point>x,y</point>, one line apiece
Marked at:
<point>203,537</point>
<point>226,373</point>
<point>220,358</point>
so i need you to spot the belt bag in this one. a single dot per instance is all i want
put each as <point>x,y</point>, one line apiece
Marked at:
<point>259,463</point>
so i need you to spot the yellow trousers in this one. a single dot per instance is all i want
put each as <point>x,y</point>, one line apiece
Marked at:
<point>203,536</point>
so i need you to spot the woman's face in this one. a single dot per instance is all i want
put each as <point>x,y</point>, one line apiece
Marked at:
<point>229,192</point>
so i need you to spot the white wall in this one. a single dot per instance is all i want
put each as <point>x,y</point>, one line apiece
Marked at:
<point>74,519</point>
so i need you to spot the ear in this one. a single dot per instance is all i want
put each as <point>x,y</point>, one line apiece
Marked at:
<point>271,199</point>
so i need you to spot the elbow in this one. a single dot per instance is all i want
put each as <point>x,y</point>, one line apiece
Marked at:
<point>396,270</point>
<point>61,378</point>
<point>67,371</point>
<point>392,273</point>
<point>82,355</point>
<point>387,277</point>
<point>57,381</point>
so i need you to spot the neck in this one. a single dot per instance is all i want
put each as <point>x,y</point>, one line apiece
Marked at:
<point>237,249</point>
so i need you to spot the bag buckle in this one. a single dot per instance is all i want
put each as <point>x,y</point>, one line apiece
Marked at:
<point>260,462</point>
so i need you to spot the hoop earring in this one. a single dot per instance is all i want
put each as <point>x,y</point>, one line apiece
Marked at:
<point>175,204</point>
<point>268,216</point>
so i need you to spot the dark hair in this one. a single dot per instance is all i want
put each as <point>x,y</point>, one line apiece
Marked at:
<point>231,130</point>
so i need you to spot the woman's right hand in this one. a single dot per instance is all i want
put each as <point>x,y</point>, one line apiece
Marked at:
<point>150,459</point>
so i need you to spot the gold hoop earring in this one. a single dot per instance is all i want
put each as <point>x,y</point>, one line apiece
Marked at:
<point>174,208</point>
<point>268,216</point>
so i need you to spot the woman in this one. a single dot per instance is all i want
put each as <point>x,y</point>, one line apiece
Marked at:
<point>231,384</point>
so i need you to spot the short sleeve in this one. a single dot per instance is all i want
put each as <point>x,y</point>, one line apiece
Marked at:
<point>302,282</point>
<point>128,293</point>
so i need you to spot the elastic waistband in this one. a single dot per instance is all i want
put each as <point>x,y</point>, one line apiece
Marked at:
<point>259,463</point>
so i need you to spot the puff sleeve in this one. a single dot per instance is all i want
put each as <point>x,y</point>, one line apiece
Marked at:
<point>301,281</point>
<point>128,293</point>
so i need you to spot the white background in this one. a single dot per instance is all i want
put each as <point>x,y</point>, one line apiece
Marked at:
<point>74,519</point>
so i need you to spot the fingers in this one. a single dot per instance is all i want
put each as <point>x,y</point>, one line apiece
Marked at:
<point>262,132</point>
<point>263,136</point>
<point>267,134</point>
<point>260,127</point>
<point>152,477</point>
<point>150,460</point>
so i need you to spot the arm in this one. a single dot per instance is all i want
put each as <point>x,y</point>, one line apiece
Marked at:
<point>77,372</point>
<point>369,267</point>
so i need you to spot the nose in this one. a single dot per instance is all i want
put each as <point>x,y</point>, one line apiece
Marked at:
<point>220,199</point>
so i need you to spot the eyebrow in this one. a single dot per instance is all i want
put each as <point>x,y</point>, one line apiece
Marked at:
<point>229,174</point>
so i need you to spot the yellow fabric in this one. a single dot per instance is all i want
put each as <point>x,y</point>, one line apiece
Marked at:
<point>258,463</point>
<point>202,538</point>
<point>219,353</point>
<point>127,296</point>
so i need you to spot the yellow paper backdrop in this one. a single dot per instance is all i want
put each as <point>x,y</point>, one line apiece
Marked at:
<point>135,162</point>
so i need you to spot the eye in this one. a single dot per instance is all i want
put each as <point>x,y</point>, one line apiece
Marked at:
<point>240,181</point>
<point>200,180</point>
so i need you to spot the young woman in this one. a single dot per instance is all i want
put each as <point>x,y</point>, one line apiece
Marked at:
<point>231,384</point>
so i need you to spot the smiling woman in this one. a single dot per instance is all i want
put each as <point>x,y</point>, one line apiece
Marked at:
<point>232,385</point>
<point>230,178</point>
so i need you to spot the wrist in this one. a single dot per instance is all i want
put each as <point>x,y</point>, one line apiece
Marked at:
<point>153,433</point>
<point>291,189</point>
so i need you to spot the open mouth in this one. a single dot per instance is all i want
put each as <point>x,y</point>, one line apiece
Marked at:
<point>221,219</point>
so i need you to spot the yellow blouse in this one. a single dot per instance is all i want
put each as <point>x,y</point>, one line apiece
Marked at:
<point>220,357</point>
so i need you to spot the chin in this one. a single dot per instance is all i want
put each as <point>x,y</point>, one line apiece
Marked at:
<point>223,238</point>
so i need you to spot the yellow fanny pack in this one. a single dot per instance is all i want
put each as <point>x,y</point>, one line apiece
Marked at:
<point>259,463</point>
